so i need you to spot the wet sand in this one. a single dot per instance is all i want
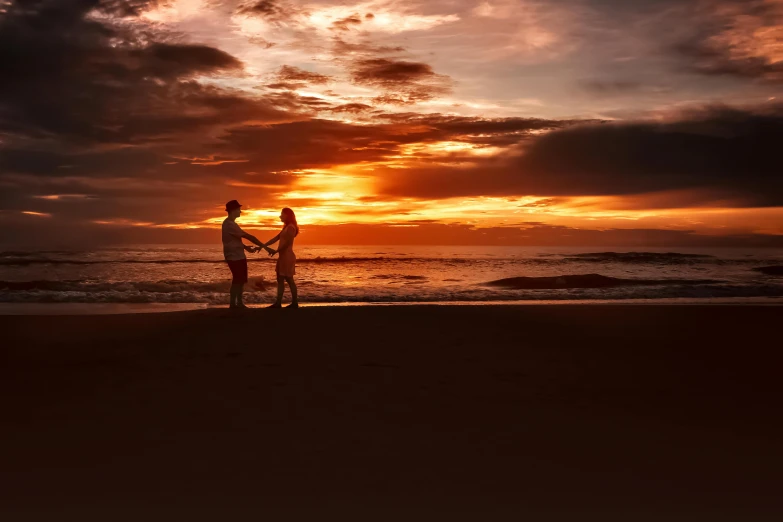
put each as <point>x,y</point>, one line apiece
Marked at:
<point>544,413</point>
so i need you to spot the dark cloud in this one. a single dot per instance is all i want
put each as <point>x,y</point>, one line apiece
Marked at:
<point>285,86</point>
<point>291,101</point>
<point>717,149</point>
<point>385,72</point>
<point>72,78</point>
<point>317,143</point>
<point>405,82</point>
<point>289,78</point>
<point>347,23</point>
<point>271,10</point>
<point>736,38</point>
<point>115,7</point>
<point>363,48</point>
<point>161,60</point>
<point>718,61</point>
<point>288,73</point>
<point>351,107</point>
<point>462,125</point>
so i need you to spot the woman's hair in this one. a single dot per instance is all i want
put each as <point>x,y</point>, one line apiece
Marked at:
<point>289,218</point>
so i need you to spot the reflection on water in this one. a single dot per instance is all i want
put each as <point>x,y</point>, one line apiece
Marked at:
<point>193,273</point>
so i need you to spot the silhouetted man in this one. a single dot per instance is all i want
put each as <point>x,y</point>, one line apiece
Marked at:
<point>234,252</point>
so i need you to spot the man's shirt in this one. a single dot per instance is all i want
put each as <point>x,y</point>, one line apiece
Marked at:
<point>233,248</point>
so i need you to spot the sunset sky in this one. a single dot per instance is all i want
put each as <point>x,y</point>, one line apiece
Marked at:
<point>559,122</point>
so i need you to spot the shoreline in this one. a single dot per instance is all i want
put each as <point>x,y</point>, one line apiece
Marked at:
<point>87,309</point>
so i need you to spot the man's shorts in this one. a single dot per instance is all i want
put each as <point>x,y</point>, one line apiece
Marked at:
<point>238,271</point>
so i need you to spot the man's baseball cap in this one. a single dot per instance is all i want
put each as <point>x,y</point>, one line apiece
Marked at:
<point>231,205</point>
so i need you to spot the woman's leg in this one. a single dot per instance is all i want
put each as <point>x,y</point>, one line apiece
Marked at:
<point>240,297</point>
<point>292,286</point>
<point>233,295</point>
<point>280,289</point>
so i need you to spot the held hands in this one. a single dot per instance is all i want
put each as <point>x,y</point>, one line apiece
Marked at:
<point>269,251</point>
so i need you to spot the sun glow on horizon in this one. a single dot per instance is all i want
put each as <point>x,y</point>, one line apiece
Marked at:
<point>314,207</point>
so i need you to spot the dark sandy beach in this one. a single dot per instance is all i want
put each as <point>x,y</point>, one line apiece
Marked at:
<point>541,413</point>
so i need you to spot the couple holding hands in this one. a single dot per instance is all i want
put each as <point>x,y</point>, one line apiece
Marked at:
<point>234,252</point>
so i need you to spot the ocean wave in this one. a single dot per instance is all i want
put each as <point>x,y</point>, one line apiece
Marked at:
<point>588,281</point>
<point>775,270</point>
<point>639,257</point>
<point>398,276</point>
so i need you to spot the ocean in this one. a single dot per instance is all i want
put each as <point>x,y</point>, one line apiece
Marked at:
<point>392,274</point>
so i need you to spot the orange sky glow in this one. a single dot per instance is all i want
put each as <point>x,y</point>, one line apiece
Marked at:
<point>500,114</point>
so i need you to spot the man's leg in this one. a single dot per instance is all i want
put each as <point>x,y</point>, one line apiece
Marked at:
<point>239,273</point>
<point>292,286</point>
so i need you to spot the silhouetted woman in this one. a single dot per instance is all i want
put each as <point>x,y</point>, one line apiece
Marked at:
<point>286,260</point>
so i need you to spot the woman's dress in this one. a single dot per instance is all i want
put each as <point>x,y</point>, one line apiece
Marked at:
<point>286,260</point>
